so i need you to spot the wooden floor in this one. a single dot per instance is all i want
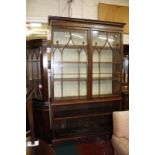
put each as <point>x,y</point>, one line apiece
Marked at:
<point>85,148</point>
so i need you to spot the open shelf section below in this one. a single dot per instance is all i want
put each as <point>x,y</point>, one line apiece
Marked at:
<point>72,134</point>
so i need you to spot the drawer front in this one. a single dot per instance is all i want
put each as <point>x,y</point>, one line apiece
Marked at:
<point>86,109</point>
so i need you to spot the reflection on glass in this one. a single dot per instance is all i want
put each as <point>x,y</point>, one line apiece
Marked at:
<point>99,38</point>
<point>60,37</point>
<point>106,39</point>
<point>125,68</point>
<point>70,37</point>
<point>114,39</point>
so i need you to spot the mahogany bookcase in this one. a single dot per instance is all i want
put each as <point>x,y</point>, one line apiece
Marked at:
<point>81,78</point>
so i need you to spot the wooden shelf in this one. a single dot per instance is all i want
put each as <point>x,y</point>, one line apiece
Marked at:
<point>114,62</point>
<point>84,79</point>
<point>105,78</point>
<point>70,79</point>
<point>109,73</point>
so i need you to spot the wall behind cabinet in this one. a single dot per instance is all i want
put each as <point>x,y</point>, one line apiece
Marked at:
<point>39,10</point>
<point>114,13</point>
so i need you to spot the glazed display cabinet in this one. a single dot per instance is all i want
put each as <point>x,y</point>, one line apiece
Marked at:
<point>86,76</point>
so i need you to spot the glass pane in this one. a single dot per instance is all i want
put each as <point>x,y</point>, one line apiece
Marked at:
<point>70,88</point>
<point>70,61</point>
<point>57,70</point>
<point>105,87</point>
<point>114,40</point>
<point>57,89</point>
<point>83,56</point>
<point>60,37</point>
<point>96,68</point>
<point>106,55</point>
<point>35,70</point>
<point>70,54</point>
<point>106,63</point>
<point>83,88</point>
<point>29,70</point>
<point>95,87</point>
<point>39,70</point>
<point>102,87</point>
<point>79,37</point>
<point>83,70</point>
<point>105,68</point>
<point>70,70</point>
<point>70,37</point>
<point>99,38</point>
<point>95,56</point>
<point>57,54</point>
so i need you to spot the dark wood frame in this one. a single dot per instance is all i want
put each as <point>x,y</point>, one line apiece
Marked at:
<point>125,86</point>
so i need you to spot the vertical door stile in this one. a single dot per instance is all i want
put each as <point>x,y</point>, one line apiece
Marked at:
<point>89,55</point>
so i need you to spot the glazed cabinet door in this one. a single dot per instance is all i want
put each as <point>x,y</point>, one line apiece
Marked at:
<point>33,71</point>
<point>69,61</point>
<point>106,62</point>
